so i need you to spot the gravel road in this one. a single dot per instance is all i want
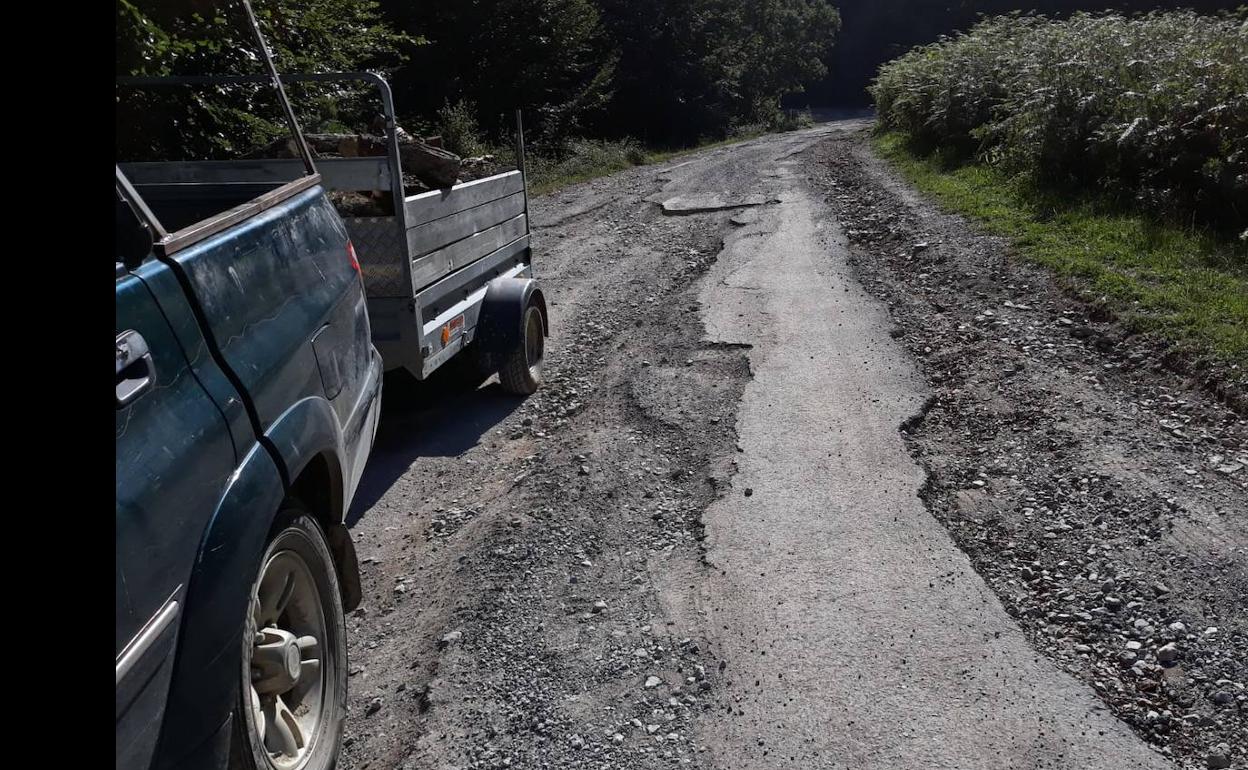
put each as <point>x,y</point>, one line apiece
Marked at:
<point>820,478</point>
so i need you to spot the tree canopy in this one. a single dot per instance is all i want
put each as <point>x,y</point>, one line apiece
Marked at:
<point>197,37</point>
<point>664,71</point>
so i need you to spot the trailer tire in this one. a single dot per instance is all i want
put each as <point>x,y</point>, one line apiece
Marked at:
<point>521,372</point>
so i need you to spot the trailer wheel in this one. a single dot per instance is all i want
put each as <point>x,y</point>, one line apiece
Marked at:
<point>521,372</point>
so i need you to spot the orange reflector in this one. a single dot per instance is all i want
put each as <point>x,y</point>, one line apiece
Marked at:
<point>446,334</point>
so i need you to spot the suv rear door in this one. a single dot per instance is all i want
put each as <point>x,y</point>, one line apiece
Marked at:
<point>282,300</point>
<point>174,454</point>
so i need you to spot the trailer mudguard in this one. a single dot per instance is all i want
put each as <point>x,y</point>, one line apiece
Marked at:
<point>499,326</point>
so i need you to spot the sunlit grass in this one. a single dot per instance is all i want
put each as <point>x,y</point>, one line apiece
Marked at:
<point>1183,283</point>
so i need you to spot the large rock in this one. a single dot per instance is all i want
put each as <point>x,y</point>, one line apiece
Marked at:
<point>434,166</point>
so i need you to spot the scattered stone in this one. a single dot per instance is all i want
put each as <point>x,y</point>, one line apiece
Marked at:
<point>449,638</point>
<point>1167,654</point>
<point>373,706</point>
<point>1219,758</point>
<point>653,682</point>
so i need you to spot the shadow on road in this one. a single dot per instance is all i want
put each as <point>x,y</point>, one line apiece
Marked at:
<point>442,417</point>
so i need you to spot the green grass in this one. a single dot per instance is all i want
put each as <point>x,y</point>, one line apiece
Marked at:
<point>1181,283</point>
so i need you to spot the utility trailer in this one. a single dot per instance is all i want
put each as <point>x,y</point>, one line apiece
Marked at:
<point>448,270</point>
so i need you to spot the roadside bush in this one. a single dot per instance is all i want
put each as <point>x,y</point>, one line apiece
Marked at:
<point>582,158</point>
<point>1151,108</point>
<point>738,131</point>
<point>457,125</point>
<point>792,120</point>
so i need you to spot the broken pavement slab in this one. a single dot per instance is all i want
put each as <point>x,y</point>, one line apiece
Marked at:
<point>698,203</point>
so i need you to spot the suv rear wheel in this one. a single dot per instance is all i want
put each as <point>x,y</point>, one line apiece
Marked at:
<point>293,688</point>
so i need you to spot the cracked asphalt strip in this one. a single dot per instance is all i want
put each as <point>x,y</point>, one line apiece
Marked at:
<point>856,634</point>
<point>579,580</point>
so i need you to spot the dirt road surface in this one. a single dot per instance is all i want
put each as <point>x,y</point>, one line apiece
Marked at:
<point>820,478</point>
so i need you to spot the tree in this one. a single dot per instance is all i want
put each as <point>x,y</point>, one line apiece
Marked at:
<point>546,56</point>
<point>690,68</point>
<point>196,37</point>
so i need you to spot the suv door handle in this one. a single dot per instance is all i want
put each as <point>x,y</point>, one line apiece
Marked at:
<point>135,371</point>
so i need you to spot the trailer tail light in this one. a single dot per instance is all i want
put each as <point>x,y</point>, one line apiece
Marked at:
<point>355,263</point>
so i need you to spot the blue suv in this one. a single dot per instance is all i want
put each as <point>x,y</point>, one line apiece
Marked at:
<point>248,392</point>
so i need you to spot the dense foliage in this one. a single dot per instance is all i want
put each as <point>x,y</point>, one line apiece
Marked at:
<point>199,37</point>
<point>549,57</point>
<point>1153,107</point>
<point>691,69</point>
<point>661,71</point>
<point>875,31</point>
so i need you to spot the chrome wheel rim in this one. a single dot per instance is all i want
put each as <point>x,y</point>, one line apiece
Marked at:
<point>284,660</point>
<point>534,343</point>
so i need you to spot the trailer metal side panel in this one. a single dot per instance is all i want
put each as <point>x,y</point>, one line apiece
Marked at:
<point>437,204</point>
<point>469,310</point>
<point>381,251</point>
<point>433,300</point>
<point>437,234</point>
<point>435,265</point>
